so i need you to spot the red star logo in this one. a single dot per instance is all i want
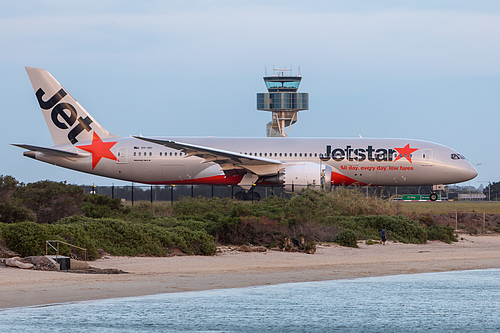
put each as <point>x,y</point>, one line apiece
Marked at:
<point>405,152</point>
<point>99,149</point>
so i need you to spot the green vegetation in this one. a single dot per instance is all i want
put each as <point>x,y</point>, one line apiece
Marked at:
<point>117,237</point>
<point>33,213</point>
<point>346,238</point>
<point>399,228</point>
<point>446,207</point>
<point>441,233</point>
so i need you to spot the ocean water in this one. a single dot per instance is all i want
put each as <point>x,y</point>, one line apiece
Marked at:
<point>464,301</point>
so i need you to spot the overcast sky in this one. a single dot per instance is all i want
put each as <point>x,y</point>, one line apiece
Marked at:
<point>426,70</point>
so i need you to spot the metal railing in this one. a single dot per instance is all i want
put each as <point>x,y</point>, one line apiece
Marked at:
<point>48,243</point>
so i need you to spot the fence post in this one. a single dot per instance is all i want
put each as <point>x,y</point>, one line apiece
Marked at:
<point>151,197</point>
<point>172,194</point>
<point>132,194</point>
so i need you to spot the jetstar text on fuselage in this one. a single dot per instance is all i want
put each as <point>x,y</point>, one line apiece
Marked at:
<point>367,154</point>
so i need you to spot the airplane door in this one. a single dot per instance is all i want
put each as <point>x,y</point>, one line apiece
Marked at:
<point>122,155</point>
<point>426,157</point>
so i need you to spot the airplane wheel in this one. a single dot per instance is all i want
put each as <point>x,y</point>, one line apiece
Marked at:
<point>240,195</point>
<point>433,197</point>
<point>253,196</point>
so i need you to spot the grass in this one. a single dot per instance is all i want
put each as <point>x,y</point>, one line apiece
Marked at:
<point>446,207</point>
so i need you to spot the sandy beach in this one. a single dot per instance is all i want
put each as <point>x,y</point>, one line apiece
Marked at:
<point>232,269</point>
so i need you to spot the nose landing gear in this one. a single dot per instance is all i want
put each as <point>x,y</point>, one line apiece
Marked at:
<point>436,188</point>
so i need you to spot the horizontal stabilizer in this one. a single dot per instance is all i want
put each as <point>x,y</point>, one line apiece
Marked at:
<point>51,151</point>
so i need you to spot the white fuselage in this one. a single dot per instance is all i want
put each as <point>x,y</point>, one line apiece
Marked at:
<point>353,160</point>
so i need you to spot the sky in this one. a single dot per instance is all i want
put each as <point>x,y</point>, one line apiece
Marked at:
<point>422,69</point>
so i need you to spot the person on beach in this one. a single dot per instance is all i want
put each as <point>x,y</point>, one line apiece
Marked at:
<point>383,236</point>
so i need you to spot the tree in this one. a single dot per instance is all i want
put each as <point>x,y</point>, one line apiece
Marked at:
<point>12,209</point>
<point>8,185</point>
<point>492,191</point>
<point>51,201</point>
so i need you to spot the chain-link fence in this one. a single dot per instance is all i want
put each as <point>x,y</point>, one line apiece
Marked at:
<point>170,193</point>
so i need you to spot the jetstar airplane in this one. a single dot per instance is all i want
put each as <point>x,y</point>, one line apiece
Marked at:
<point>80,143</point>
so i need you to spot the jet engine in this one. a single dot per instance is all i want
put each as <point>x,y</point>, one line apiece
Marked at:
<point>299,176</point>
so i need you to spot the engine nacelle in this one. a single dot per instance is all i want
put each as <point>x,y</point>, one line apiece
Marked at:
<point>299,176</point>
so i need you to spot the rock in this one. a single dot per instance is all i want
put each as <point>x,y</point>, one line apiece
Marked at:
<point>4,250</point>
<point>42,263</point>
<point>16,262</point>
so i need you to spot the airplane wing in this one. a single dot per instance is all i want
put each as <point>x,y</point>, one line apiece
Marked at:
<point>51,151</point>
<point>226,159</point>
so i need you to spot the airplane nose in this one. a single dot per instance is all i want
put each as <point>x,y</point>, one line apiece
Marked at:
<point>472,172</point>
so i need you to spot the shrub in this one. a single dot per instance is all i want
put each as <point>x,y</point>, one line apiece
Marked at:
<point>346,238</point>
<point>98,206</point>
<point>312,205</point>
<point>426,219</point>
<point>26,238</point>
<point>441,233</point>
<point>120,237</point>
<point>399,228</point>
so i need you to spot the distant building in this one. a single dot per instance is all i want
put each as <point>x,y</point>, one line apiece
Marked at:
<point>472,196</point>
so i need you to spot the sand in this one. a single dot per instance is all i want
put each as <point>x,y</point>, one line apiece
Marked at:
<point>231,269</point>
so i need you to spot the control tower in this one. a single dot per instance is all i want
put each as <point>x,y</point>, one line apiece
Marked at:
<point>283,100</point>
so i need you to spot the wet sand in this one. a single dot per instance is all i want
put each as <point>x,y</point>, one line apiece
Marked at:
<point>231,269</point>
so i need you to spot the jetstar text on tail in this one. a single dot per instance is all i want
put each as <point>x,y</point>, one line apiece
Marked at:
<point>369,153</point>
<point>65,112</point>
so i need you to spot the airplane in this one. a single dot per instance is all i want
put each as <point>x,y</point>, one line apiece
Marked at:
<point>82,144</point>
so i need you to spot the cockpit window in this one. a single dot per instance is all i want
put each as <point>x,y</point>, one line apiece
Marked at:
<point>457,157</point>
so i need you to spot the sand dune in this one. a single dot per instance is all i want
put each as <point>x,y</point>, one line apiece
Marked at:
<point>237,269</point>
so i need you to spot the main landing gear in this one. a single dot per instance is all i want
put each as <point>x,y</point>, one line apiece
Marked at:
<point>247,195</point>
